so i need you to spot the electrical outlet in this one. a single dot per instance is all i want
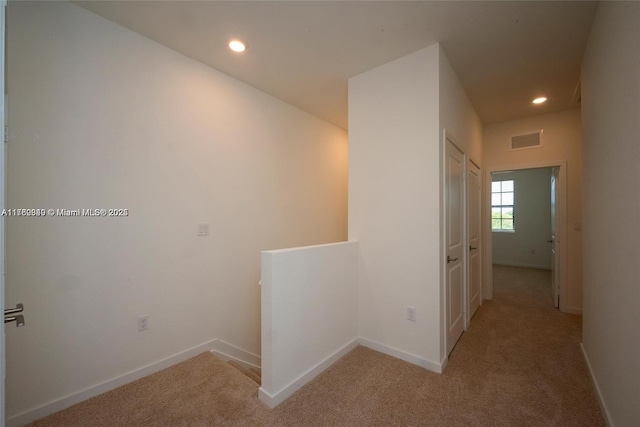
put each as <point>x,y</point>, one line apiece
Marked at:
<point>143,323</point>
<point>411,314</point>
<point>203,230</point>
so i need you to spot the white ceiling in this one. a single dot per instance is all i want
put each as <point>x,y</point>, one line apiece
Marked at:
<point>303,52</point>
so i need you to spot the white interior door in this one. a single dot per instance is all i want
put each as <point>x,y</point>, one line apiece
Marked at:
<point>473,260</point>
<point>555,249</point>
<point>454,243</point>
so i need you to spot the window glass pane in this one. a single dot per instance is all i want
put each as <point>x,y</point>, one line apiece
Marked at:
<point>495,213</point>
<point>507,185</point>
<point>495,186</point>
<point>495,199</point>
<point>507,224</point>
<point>507,199</point>
<point>495,224</point>
<point>507,212</point>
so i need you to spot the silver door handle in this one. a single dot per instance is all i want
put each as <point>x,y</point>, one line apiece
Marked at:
<point>19,319</point>
<point>9,315</point>
<point>18,309</point>
<point>450,260</point>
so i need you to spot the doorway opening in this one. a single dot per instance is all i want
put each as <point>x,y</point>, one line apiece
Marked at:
<point>526,231</point>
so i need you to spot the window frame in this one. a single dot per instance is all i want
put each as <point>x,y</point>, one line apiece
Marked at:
<point>501,206</point>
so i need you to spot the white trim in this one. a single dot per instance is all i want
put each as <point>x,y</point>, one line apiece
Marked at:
<point>561,232</point>
<point>603,406</point>
<point>444,335</point>
<point>443,363</point>
<point>403,355</point>
<point>277,251</point>
<point>572,310</point>
<point>226,352</point>
<point>104,386</point>
<point>468,220</point>
<point>443,246</point>
<point>523,265</point>
<point>273,400</point>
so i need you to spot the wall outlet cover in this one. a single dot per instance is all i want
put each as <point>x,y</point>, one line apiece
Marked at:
<point>143,323</point>
<point>411,314</point>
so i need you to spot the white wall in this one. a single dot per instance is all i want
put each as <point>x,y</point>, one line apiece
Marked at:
<point>100,117</point>
<point>457,114</point>
<point>309,314</point>
<point>396,116</point>
<point>393,205</point>
<point>611,125</point>
<point>527,246</point>
<point>561,142</point>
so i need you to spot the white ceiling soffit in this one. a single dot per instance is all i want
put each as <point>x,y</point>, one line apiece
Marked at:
<point>303,52</point>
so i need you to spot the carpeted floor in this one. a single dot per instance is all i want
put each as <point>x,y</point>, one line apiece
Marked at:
<point>519,364</point>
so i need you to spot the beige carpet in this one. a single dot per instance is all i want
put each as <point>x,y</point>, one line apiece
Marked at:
<point>518,365</point>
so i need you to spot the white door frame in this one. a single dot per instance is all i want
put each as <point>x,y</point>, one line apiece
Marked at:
<point>561,214</point>
<point>480,254</point>
<point>447,136</point>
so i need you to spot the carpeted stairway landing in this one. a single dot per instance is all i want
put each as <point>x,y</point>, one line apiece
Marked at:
<point>202,391</point>
<point>519,364</point>
<point>252,373</point>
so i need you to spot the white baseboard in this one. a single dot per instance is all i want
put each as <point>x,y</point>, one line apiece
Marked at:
<point>443,363</point>
<point>605,411</point>
<point>403,355</point>
<point>226,352</point>
<point>573,310</point>
<point>523,265</point>
<point>220,347</point>
<point>274,399</point>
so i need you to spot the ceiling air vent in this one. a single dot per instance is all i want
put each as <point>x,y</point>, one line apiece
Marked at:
<point>530,140</point>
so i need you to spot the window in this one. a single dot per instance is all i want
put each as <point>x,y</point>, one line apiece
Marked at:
<point>502,206</point>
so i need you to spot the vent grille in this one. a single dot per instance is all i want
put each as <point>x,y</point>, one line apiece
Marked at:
<point>530,140</point>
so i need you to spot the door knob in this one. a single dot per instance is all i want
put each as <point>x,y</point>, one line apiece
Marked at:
<point>471,248</point>
<point>550,241</point>
<point>449,259</point>
<point>11,315</point>
<point>19,319</point>
<point>17,309</point>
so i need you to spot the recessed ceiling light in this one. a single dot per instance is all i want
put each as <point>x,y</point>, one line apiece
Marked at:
<point>539,100</point>
<point>237,45</point>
